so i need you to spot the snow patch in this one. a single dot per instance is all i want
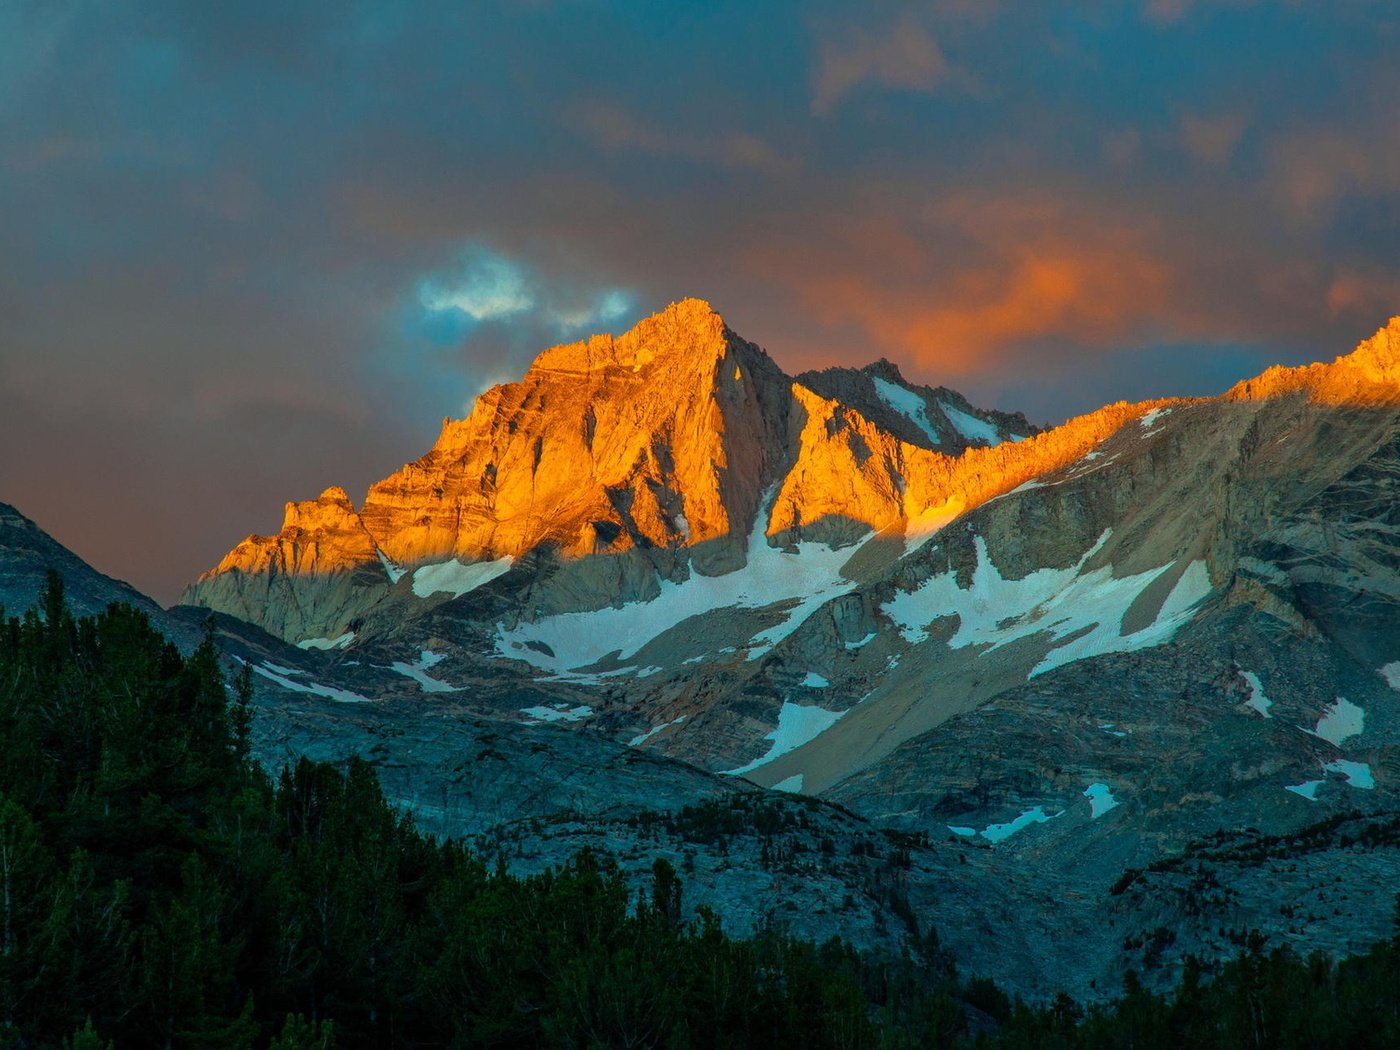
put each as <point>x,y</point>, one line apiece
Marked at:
<point>815,681</point>
<point>1391,673</point>
<point>1002,832</point>
<point>327,643</point>
<point>1339,722</point>
<point>1101,800</point>
<point>1308,789</point>
<point>271,672</point>
<point>1107,727</point>
<point>798,724</point>
<point>861,643</point>
<point>957,830</point>
<point>1257,700</point>
<point>457,578</point>
<point>394,572</point>
<point>1082,612</point>
<point>808,578</point>
<point>907,404</point>
<point>638,741</point>
<point>970,426</point>
<point>558,713</point>
<point>1358,774</point>
<point>1149,419</point>
<point>418,671</point>
<point>792,784</point>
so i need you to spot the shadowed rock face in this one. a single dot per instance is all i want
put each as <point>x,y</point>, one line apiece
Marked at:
<point>27,553</point>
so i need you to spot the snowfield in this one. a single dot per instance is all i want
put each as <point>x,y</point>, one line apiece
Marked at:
<point>642,738</point>
<point>457,578</point>
<point>1149,420</point>
<point>907,404</point>
<point>1002,832</point>
<point>1358,774</point>
<point>1308,789</point>
<point>327,643</point>
<point>281,675</point>
<point>807,578</point>
<point>1257,700</point>
<point>1391,673</point>
<point>557,713</point>
<point>1082,612</point>
<point>1101,800</point>
<point>418,671</point>
<point>969,426</point>
<point>798,724</point>
<point>394,573</point>
<point>1339,722</point>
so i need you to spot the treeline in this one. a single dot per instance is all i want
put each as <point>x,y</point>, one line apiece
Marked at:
<point>157,889</point>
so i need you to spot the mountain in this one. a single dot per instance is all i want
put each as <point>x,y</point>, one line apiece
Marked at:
<point>1133,672</point>
<point>28,554</point>
<point>532,795</point>
<point>658,449</point>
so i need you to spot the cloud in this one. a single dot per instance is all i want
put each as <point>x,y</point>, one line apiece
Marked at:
<point>979,274</point>
<point>1212,140</point>
<point>1314,170</point>
<point>1370,297</point>
<point>486,288</point>
<point>486,285</point>
<point>902,56</point>
<point>398,205</point>
<point>1168,12</point>
<point>617,129</point>
<point>482,319</point>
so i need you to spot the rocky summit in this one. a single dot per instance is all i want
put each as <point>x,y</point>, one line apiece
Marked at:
<point>1114,691</point>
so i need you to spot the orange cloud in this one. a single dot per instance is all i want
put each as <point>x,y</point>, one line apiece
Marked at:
<point>1165,12</point>
<point>980,276</point>
<point>1368,295</point>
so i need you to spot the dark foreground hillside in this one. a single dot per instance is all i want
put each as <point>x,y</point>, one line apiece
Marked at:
<point>157,888</point>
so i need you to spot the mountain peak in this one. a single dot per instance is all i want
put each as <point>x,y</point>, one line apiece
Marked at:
<point>1370,374</point>
<point>685,330</point>
<point>1378,358</point>
<point>885,369</point>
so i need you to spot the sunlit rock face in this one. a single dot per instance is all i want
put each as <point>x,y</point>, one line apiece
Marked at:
<point>1369,375</point>
<point>662,449</point>
<point>663,437</point>
<point>320,571</point>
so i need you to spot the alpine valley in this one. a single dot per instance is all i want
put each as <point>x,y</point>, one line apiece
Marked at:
<point>861,658</point>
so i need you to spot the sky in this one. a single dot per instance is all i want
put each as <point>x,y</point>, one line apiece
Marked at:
<point>251,250</point>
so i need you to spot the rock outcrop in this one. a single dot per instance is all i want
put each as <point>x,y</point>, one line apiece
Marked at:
<point>320,572</point>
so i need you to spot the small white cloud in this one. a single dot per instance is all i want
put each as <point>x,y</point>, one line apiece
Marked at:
<point>489,288</point>
<point>605,308</point>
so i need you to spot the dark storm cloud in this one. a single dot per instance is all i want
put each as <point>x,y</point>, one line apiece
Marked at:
<point>251,250</point>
